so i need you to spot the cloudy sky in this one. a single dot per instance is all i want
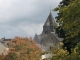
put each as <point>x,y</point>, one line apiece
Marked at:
<point>24,17</point>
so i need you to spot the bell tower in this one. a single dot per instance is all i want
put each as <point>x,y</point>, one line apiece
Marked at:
<point>49,24</point>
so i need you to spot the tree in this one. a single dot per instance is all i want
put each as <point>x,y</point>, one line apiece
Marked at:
<point>62,4</point>
<point>60,32</point>
<point>23,49</point>
<point>62,54</point>
<point>69,20</point>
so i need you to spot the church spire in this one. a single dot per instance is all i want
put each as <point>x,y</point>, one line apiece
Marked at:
<point>50,8</point>
<point>49,25</point>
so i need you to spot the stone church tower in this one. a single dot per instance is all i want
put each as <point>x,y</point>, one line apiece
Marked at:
<point>49,25</point>
<point>48,37</point>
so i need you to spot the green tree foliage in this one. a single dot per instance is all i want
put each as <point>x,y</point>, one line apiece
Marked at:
<point>60,32</point>
<point>62,4</point>
<point>62,54</point>
<point>59,53</point>
<point>75,55</point>
<point>69,20</point>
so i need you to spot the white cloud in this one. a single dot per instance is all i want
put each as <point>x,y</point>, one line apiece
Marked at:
<point>32,29</point>
<point>24,17</point>
<point>10,9</point>
<point>21,30</point>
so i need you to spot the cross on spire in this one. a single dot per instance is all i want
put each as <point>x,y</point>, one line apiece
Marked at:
<point>50,8</point>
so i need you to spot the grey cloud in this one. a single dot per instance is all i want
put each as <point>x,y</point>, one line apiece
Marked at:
<point>15,13</point>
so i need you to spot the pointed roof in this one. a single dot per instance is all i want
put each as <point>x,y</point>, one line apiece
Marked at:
<point>50,21</point>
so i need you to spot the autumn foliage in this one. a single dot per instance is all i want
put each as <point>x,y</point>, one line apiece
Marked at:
<point>23,49</point>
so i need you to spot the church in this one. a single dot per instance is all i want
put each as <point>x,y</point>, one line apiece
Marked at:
<point>48,37</point>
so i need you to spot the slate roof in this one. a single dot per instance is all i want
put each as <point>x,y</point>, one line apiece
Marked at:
<point>50,21</point>
<point>49,39</point>
<point>4,41</point>
<point>56,36</point>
